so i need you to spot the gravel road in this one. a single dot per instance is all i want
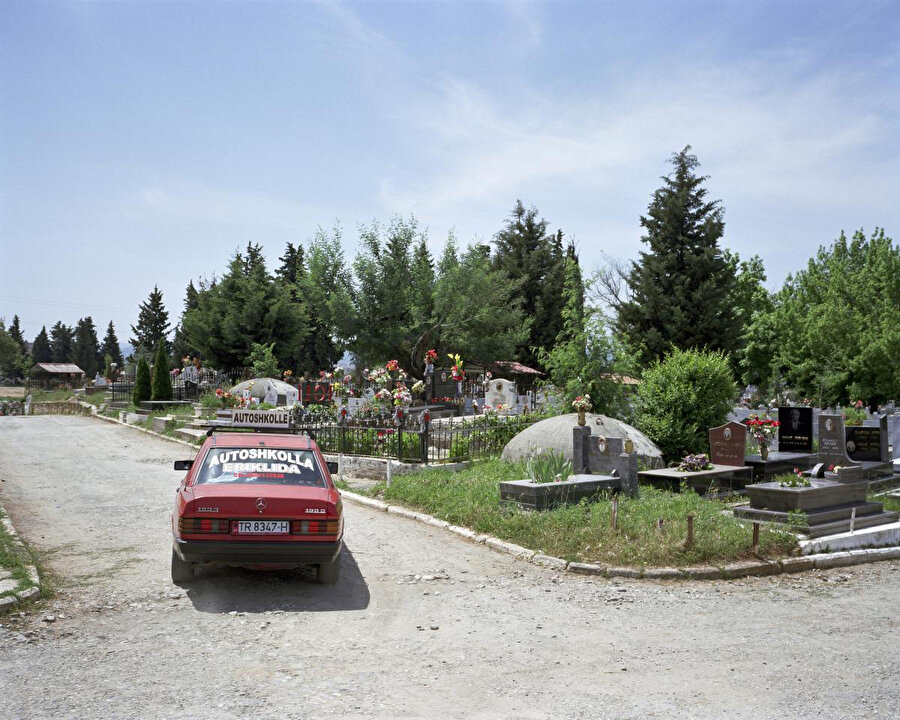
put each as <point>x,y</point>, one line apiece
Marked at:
<point>422,624</point>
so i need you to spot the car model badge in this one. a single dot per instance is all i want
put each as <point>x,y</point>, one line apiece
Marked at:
<point>261,504</point>
<point>315,510</point>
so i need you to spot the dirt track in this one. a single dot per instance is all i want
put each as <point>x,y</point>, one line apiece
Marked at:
<point>510,641</point>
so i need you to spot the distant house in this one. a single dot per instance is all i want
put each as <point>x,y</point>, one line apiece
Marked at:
<point>48,375</point>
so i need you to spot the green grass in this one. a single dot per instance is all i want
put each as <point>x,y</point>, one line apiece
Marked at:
<point>14,558</point>
<point>582,533</point>
<point>889,503</point>
<point>51,395</point>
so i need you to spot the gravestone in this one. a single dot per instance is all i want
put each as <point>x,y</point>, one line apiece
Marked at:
<point>728,444</point>
<point>795,429</point>
<point>833,441</point>
<point>353,405</point>
<point>867,443</point>
<point>501,392</point>
<point>894,434</point>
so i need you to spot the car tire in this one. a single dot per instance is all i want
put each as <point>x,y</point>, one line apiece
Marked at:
<point>182,571</point>
<point>329,572</point>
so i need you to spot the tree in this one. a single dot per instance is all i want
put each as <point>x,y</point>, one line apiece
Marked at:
<point>40,348</point>
<point>584,358</point>
<point>292,269</point>
<point>15,332</point>
<point>682,287</point>
<point>161,387</point>
<point>110,345</point>
<point>62,337</point>
<point>245,307</point>
<point>180,345</point>
<point>85,347</point>
<point>536,265</point>
<point>142,386</point>
<point>10,353</point>
<point>324,285</point>
<point>836,324</point>
<point>152,325</point>
<point>263,361</point>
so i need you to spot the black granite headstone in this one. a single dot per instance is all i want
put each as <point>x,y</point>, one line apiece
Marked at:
<point>864,443</point>
<point>795,429</point>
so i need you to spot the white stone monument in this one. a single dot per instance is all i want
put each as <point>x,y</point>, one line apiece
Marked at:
<point>501,393</point>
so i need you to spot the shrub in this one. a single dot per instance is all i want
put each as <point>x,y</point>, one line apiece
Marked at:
<point>141,389</point>
<point>263,361</point>
<point>681,397</point>
<point>161,388</point>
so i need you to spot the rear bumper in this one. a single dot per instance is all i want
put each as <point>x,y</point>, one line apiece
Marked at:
<point>252,553</point>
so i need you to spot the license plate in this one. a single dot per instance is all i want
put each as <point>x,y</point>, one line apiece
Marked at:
<point>261,527</point>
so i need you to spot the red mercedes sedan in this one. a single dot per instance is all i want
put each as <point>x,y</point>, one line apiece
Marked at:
<point>257,499</point>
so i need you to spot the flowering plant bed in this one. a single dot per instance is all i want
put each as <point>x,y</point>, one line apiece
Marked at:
<point>695,463</point>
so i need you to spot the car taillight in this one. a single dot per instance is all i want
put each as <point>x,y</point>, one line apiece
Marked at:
<point>195,525</point>
<point>315,527</point>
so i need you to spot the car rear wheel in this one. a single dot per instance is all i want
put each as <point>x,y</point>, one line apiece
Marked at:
<point>330,572</point>
<point>182,571</point>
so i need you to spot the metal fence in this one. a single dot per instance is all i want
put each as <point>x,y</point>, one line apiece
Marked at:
<point>440,441</point>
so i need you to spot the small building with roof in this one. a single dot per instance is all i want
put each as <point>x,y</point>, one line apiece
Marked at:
<point>50,375</point>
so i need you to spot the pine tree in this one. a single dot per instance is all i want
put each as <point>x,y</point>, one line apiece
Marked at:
<point>62,338</point>
<point>180,345</point>
<point>10,354</point>
<point>85,348</point>
<point>111,345</point>
<point>291,269</point>
<point>526,254</point>
<point>15,332</point>
<point>681,288</point>
<point>161,388</point>
<point>142,390</point>
<point>40,348</point>
<point>152,326</point>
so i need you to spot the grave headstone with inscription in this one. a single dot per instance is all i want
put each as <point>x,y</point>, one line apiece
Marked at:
<point>795,429</point>
<point>728,444</point>
<point>833,441</point>
<point>501,393</point>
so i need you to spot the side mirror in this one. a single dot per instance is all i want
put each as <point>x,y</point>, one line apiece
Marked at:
<point>183,464</point>
<point>332,467</point>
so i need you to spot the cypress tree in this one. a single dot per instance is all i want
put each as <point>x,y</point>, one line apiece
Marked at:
<point>84,349</point>
<point>40,348</point>
<point>681,287</point>
<point>141,390</point>
<point>162,383</point>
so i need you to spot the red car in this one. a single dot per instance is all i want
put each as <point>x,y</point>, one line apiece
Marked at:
<point>257,499</point>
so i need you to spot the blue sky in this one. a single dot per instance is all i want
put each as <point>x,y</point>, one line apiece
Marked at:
<point>142,143</point>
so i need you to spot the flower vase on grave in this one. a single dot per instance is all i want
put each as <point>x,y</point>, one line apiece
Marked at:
<point>581,417</point>
<point>764,450</point>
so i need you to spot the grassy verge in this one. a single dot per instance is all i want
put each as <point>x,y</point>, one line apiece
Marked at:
<point>582,533</point>
<point>13,559</point>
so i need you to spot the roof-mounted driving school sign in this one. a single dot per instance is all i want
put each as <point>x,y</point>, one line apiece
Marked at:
<point>261,418</point>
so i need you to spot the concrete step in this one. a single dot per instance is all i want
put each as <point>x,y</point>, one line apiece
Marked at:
<point>192,433</point>
<point>842,526</point>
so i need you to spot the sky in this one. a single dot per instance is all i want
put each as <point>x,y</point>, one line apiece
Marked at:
<point>143,143</point>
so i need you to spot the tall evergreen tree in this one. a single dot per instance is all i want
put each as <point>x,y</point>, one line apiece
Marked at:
<point>682,286</point>
<point>161,387</point>
<point>111,345</point>
<point>152,325</point>
<point>180,345</point>
<point>245,307</point>
<point>62,337</point>
<point>10,353</point>
<point>535,262</point>
<point>15,332</point>
<point>142,389</point>
<point>291,269</point>
<point>85,348</point>
<point>40,348</point>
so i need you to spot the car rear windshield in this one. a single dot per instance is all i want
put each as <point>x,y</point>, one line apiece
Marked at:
<point>261,465</point>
